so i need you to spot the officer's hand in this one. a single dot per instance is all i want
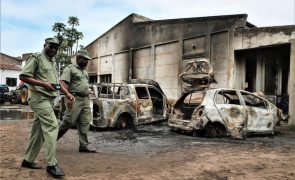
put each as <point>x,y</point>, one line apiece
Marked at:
<point>70,97</point>
<point>70,104</point>
<point>48,86</point>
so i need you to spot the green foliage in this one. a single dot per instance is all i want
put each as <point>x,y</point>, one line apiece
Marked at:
<point>68,37</point>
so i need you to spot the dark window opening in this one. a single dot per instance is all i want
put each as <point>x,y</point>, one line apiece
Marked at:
<point>106,78</point>
<point>254,101</point>
<point>92,79</point>
<point>123,92</point>
<point>11,82</point>
<point>113,91</point>
<point>105,90</point>
<point>141,93</point>
<point>227,97</point>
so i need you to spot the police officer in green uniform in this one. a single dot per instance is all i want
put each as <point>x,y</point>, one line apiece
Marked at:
<point>75,79</point>
<point>40,72</point>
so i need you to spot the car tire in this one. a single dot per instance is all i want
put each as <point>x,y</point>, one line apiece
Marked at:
<point>122,122</point>
<point>214,131</point>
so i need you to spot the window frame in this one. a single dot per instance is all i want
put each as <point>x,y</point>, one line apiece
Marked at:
<point>11,82</point>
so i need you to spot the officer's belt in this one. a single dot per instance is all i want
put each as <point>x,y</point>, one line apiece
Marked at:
<point>78,94</point>
<point>40,94</point>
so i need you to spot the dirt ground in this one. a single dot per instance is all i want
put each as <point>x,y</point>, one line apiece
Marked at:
<point>153,152</point>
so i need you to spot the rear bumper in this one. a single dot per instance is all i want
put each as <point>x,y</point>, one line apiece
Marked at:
<point>180,124</point>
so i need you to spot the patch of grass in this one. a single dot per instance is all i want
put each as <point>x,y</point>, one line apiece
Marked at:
<point>291,127</point>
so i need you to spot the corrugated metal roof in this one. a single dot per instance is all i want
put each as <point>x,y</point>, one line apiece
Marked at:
<point>10,67</point>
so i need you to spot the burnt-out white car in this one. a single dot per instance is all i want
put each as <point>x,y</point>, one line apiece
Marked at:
<point>221,112</point>
<point>128,104</point>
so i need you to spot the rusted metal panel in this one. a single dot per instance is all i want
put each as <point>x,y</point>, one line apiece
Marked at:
<point>233,115</point>
<point>260,120</point>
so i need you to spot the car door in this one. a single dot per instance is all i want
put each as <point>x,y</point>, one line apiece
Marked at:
<point>144,105</point>
<point>158,103</point>
<point>232,111</point>
<point>260,119</point>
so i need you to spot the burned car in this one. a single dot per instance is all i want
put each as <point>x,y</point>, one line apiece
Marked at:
<point>121,104</point>
<point>220,112</point>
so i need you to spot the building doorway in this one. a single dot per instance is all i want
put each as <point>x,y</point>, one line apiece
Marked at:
<point>250,72</point>
<point>264,69</point>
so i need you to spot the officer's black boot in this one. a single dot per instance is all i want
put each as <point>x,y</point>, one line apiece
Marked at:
<point>55,171</point>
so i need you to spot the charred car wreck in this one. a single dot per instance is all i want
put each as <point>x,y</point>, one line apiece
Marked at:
<point>126,104</point>
<point>222,111</point>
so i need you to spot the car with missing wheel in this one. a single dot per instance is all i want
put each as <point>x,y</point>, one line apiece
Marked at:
<point>220,112</point>
<point>121,105</point>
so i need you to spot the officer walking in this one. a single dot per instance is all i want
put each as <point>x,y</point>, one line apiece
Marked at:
<point>40,72</point>
<point>75,79</point>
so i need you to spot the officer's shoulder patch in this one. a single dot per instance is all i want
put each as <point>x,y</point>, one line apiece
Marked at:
<point>36,55</point>
<point>71,66</point>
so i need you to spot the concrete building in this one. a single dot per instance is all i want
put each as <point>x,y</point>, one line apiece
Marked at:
<point>10,68</point>
<point>243,56</point>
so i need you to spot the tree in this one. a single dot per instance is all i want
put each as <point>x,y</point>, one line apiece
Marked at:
<point>67,38</point>
<point>72,33</point>
<point>78,35</point>
<point>73,21</point>
<point>59,28</point>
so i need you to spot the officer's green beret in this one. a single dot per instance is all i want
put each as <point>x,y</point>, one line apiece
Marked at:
<point>52,40</point>
<point>83,53</point>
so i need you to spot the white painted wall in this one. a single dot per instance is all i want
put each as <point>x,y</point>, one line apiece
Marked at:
<point>166,68</point>
<point>11,74</point>
<point>120,67</point>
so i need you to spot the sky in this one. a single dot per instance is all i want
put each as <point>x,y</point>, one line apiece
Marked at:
<point>26,23</point>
